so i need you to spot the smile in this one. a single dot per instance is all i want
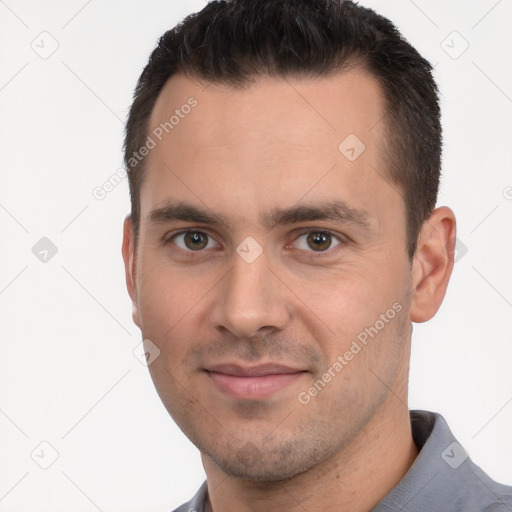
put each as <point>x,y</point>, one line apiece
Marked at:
<point>253,383</point>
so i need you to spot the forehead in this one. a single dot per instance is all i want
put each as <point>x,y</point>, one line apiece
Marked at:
<point>347,102</point>
<point>268,144</point>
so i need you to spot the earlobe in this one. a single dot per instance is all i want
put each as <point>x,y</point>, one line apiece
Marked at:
<point>128,250</point>
<point>432,264</point>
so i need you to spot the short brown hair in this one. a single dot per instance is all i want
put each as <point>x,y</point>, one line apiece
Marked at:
<point>235,41</point>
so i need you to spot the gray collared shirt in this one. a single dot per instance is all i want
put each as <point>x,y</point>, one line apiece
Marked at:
<point>442,478</point>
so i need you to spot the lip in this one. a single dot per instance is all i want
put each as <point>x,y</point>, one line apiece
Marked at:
<point>252,382</point>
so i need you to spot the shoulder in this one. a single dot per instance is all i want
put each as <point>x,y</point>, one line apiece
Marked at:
<point>196,504</point>
<point>443,477</point>
<point>500,504</point>
<point>187,508</point>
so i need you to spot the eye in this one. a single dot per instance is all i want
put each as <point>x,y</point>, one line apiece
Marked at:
<point>193,240</point>
<point>318,241</point>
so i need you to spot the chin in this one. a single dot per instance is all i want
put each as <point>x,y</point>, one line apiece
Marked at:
<point>276,465</point>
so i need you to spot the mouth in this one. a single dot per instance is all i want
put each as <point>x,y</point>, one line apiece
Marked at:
<point>252,382</point>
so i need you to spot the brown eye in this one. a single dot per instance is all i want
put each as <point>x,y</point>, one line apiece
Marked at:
<point>192,241</point>
<point>195,240</point>
<point>319,241</point>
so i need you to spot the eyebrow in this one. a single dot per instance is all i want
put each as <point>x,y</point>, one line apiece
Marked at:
<point>337,211</point>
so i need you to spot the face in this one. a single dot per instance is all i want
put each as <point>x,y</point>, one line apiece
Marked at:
<point>271,271</point>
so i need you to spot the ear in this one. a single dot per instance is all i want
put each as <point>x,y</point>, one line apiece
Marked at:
<point>129,258</point>
<point>432,264</point>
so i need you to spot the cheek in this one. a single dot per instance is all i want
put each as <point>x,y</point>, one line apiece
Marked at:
<point>165,294</point>
<point>168,308</point>
<point>342,298</point>
<point>351,303</point>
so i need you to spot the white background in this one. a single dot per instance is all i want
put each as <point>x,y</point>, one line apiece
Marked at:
<point>68,373</point>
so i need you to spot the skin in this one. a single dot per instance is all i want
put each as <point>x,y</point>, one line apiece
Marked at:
<point>241,153</point>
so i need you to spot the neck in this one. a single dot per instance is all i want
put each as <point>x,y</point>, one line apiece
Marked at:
<point>356,479</point>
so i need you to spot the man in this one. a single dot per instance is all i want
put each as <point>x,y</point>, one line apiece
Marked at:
<point>284,160</point>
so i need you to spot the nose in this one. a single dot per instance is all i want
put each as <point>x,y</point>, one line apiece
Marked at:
<point>250,299</point>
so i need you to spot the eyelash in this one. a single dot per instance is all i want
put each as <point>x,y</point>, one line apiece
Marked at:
<point>341,239</point>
